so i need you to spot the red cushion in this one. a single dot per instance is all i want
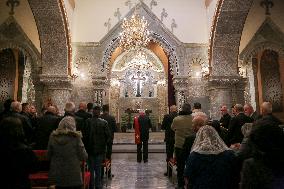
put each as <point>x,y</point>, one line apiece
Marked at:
<point>39,175</point>
<point>87,178</point>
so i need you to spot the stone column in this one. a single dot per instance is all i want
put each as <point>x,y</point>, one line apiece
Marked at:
<point>100,89</point>
<point>58,88</point>
<point>227,90</point>
<point>181,90</point>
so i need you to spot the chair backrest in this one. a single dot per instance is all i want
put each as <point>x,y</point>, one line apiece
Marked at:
<point>43,159</point>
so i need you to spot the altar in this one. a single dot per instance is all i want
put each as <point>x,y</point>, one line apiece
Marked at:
<point>129,108</point>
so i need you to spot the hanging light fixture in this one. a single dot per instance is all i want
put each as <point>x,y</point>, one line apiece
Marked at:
<point>134,33</point>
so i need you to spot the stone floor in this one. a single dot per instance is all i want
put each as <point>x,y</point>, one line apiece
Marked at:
<point>128,174</point>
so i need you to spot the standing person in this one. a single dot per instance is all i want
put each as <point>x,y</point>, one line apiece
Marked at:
<point>196,108</point>
<point>112,127</point>
<point>235,135</point>
<point>7,109</point>
<point>145,124</point>
<point>266,114</point>
<point>249,111</point>
<point>90,108</point>
<point>182,125</point>
<point>82,112</point>
<point>266,167</point>
<point>211,164</point>
<point>16,109</point>
<point>46,124</point>
<point>98,138</point>
<point>66,151</point>
<point>225,119</point>
<point>17,160</point>
<point>169,135</point>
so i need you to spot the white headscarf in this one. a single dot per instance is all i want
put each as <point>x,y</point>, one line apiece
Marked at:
<point>67,126</point>
<point>208,141</point>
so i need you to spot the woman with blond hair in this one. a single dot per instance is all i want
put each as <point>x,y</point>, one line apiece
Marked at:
<point>66,151</point>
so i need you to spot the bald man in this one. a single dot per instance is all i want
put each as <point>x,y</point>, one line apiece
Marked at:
<point>267,116</point>
<point>82,112</point>
<point>169,134</point>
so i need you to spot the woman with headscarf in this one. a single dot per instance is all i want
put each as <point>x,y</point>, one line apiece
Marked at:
<point>66,151</point>
<point>211,164</point>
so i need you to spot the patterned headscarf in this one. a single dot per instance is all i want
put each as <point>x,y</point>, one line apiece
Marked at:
<point>208,141</point>
<point>67,126</point>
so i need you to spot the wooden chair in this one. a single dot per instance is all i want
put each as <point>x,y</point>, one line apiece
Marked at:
<point>106,164</point>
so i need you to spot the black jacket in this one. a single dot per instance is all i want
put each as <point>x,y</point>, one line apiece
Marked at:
<point>46,124</point>
<point>98,136</point>
<point>166,125</point>
<point>145,125</point>
<point>111,122</point>
<point>235,134</point>
<point>83,114</point>
<point>225,120</point>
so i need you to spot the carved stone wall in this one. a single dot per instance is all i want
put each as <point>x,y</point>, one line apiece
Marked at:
<point>53,32</point>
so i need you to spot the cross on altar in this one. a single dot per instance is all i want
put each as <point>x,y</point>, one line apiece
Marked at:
<point>138,79</point>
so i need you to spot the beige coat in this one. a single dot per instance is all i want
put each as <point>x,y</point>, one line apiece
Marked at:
<point>182,125</point>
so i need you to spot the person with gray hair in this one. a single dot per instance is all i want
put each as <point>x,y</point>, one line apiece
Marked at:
<point>66,151</point>
<point>198,121</point>
<point>16,109</point>
<point>182,125</point>
<point>80,122</point>
<point>266,114</point>
<point>46,124</point>
<point>234,133</point>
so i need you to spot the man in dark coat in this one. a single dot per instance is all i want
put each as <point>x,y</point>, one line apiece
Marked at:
<point>46,124</point>
<point>145,124</point>
<point>112,127</point>
<point>266,114</point>
<point>99,138</point>
<point>7,111</point>
<point>169,135</point>
<point>225,119</point>
<point>249,111</point>
<point>80,122</point>
<point>16,109</point>
<point>82,111</point>
<point>235,134</point>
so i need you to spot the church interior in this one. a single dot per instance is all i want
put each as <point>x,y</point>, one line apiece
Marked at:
<point>215,52</point>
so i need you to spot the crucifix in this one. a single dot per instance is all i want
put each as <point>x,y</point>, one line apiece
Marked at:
<point>12,4</point>
<point>108,24</point>
<point>164,14</point>
<point>117,14</point>
<point>138,79</point>
<point>267,4</point>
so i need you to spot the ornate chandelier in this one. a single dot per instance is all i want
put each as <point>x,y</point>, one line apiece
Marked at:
<point>134,33</point>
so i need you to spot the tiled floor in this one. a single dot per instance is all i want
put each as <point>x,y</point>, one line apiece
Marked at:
<point>132,175</point>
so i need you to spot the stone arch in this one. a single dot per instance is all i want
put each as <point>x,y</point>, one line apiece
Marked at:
<point>54,36</point>
<point>261,47</point>
<point>226,34</point>
<point>155,37</point>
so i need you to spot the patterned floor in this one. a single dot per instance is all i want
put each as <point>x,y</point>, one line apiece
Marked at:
<point>132,175</point>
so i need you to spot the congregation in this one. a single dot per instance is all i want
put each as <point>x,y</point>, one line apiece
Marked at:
<point>241,150</point>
